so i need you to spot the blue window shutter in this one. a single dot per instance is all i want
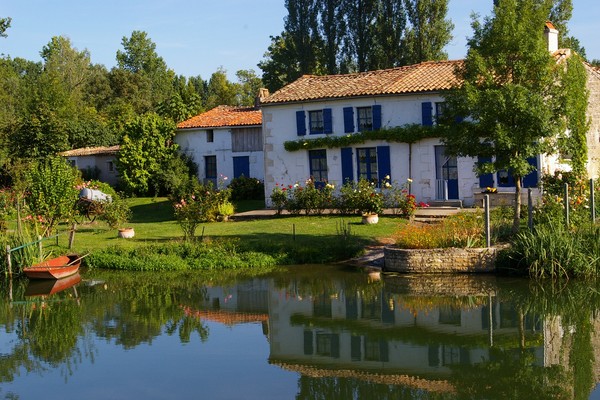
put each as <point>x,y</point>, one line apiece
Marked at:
<point>327,122</point>
<point>485,180</point>
<point>383,162</point>
<point>531,180</point>
<point>347,170</point>
<point>427,113</point>
<point>301,123</point>
<point>348,120</point>
<point>376,117</point>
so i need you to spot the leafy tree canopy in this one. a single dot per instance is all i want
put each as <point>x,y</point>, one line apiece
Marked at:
<point>145,148</point>
<point>512,93</point>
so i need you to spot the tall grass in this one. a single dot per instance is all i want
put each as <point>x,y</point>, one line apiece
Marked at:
<point>553,251</point>
<point>461,230</point>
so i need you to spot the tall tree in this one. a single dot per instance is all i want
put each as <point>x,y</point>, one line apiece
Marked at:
<point>4,25</point>
<point>511,96</point>
<point>301,24</point>
<point>220,90</point>
<point>139,57</point>
<point>248,87</point>
<point>429,31</point>
<point>279,66</point>
<point>360,33</point>
<point>331,30</point>
<point>146,146</point>
<point>389,32</point>
<point>63,87</point>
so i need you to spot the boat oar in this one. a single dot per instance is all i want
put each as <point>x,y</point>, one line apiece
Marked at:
<point>78,259</point>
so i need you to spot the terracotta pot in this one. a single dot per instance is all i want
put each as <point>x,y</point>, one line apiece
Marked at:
<point>126,233</point>
<point>369,219</point>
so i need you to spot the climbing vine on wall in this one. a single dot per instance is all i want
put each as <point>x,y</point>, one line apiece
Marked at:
<point>575,100</point>
<point>402,134</point>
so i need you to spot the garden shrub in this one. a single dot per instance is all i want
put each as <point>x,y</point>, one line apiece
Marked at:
<point>362,197</point>
<point>52,192</point>
<point>243,188</point>
<point>200,205</point>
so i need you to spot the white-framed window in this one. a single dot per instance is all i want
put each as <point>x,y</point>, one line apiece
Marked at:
<point>365,118</point>
<point>210,136</point>
<point>315,118</point>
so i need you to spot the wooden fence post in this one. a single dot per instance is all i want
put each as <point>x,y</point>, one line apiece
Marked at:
<point>40,248</point>
<point>566,204</point>
<point>488,238</point>
<point>72,235</point>
<point>529,209</point>
<point>592,201</point>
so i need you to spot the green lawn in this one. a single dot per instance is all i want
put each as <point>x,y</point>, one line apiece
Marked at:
<point>153,222</point>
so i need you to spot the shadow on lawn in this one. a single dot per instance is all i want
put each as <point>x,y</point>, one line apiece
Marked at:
<point>156,211</point>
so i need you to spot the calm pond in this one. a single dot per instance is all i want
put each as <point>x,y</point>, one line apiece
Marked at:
<point>310,332</point>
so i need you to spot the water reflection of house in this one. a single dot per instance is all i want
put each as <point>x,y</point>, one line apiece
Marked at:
<point>395,335</point>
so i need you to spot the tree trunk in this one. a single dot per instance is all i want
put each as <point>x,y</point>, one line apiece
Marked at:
<point>517,211</point>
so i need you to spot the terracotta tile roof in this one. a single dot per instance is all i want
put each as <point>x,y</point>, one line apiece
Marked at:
<point>424,77</point>
<point>91,151</point>
<point>225,317</point>
<point>224,116</point>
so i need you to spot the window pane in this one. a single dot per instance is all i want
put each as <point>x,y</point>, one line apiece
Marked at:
<point>210,163</point>
<point>316,121</point>
<point>318,165</point>
<point>365,118</point>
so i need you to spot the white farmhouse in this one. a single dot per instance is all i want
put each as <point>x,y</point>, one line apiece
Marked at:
<point>225,142</point>
<point>335,106</point>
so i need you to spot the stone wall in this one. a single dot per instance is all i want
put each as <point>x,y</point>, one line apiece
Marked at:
<point>593,112</point>
<point>440,261</point>
<point>454,285</point>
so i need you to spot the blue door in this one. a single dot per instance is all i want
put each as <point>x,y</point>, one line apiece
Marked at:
<point>446,173</point>
<point>241,166</point>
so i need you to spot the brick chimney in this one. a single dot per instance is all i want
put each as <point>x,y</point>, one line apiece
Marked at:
<point>551,34</point>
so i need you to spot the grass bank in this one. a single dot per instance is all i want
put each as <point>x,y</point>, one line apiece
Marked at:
<point>258,244</point>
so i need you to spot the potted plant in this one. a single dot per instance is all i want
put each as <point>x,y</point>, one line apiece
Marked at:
<point>368,201</point>
<point>225,210</point>
<point>116,214</point>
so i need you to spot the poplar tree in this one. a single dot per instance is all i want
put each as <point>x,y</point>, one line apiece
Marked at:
<point>360,17</point>
<point>429,31</point>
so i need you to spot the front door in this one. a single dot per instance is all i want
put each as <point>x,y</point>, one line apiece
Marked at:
<point>446,173</point>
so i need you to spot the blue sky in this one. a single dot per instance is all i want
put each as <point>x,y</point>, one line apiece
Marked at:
<point>196,37</point>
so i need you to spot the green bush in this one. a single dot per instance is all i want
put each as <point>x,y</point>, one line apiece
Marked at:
<point>243,188</point>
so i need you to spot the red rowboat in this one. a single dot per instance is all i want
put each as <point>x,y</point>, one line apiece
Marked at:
<point>54,268</point>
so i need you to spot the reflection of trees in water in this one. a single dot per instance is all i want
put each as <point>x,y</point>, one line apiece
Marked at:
<point>54,333</point>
